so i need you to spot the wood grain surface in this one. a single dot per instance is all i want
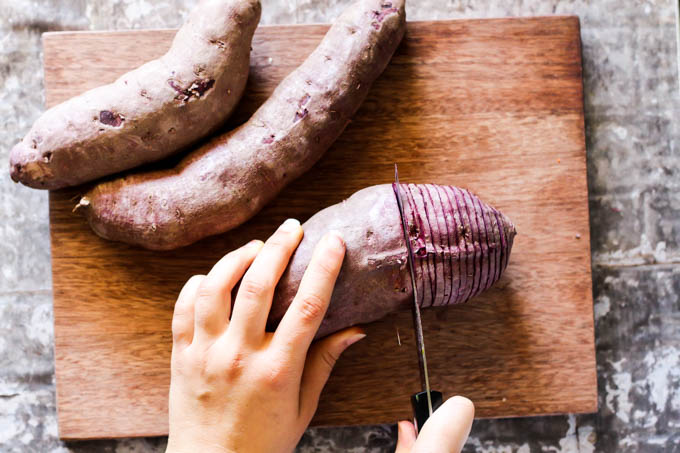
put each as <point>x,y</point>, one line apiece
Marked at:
<point>495,106</point>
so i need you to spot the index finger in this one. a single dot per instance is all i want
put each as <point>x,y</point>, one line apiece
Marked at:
<point>304,315</point>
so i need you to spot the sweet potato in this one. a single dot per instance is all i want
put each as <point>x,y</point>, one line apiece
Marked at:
<point>229,179</point>
<point>461,247</point>
<point>149,113</point>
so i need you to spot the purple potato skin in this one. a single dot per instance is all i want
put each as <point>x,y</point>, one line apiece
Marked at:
<point>229,179</point>
<point>149,113</point>
<point>461,247</point>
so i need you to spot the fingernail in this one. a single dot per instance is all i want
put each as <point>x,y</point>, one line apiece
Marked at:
<point>254,243</point>
<point>353,339</point>
<point>334,239</point>
<point>290,225</point>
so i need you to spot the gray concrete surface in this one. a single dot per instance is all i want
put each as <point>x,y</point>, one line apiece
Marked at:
<point>631,86</point>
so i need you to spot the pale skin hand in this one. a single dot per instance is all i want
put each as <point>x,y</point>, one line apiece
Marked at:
<point>236,388</point>
<point>445,431</point>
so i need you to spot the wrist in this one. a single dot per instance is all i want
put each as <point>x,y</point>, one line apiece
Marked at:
<point>192,445</point>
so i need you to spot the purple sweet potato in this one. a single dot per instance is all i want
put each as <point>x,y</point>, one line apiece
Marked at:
<point>149,113</point>
<point>461,247</point>
<point>229,179</point>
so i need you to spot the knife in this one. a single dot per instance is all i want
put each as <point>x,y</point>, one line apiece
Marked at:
<point>426,401</point>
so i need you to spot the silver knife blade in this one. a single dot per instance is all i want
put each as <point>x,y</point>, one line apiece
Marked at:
<point>417,323</point>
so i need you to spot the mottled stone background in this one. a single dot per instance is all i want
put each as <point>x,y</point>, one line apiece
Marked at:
<point>631,86</point>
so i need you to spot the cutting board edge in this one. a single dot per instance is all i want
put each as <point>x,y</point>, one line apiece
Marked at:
<point>60,33</point>
<point>587,232</point>
<point>65,433</point>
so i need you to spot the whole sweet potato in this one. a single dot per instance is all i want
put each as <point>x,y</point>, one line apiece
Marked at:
<point>149,113</point>
<point>229,179</point>
<point>461,247</point>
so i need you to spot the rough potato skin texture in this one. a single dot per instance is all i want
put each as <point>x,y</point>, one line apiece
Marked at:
<point>461,247</point>
<point>229,179</point>
<point>149,113</point>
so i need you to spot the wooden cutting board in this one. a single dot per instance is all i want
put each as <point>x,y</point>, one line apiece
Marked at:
<point>492,105</point>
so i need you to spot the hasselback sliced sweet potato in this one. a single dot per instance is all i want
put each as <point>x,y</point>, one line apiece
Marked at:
<point>461,247</point>
<point>149,113</point>
<point>229,179</point>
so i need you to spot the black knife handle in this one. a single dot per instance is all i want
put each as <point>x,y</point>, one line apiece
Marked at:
<point>421,411</point>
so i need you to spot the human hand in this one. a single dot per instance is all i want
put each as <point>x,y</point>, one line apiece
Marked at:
<point>445,431</point>
<point>235,387</point>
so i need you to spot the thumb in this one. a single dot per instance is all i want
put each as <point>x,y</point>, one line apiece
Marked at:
<point>321,359</point>
<point>448,428</point>
<point>406,437</point>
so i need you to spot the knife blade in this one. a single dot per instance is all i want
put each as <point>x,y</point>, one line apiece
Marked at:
<point>432,398</point>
